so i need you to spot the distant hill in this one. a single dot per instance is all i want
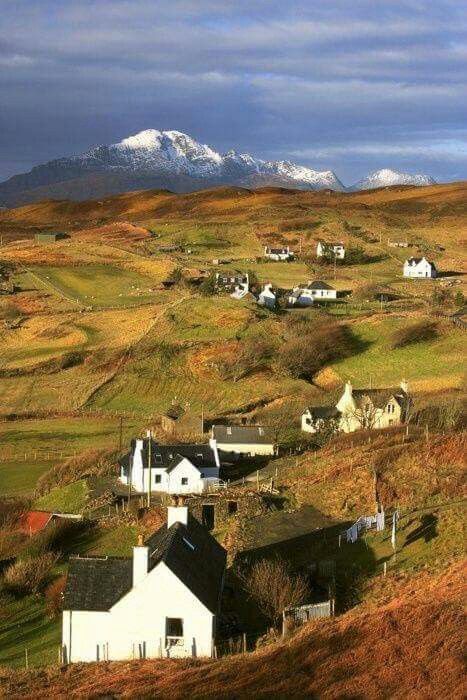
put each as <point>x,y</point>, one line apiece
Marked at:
<point>175,161</point>
<point>389,178</point>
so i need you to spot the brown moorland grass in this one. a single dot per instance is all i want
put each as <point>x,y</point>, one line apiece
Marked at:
<point>409,646</point>
<point>338,480</point>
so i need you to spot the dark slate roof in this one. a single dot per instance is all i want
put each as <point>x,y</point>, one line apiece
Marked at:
<point>243,434</point>
<point>380,397</point>
<point>190,552</point>
<point>415,261</point>
<point>277,250</point>
<point>163,456</point>
<point>201,569</point>
<point>97,583</point>
<point>323,412</point>
<point>319,285</point>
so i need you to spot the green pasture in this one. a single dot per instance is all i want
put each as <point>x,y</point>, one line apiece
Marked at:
<point>437,360</point>
<point>71,498</point>
<point>98,285</point>
<point>19,477</point>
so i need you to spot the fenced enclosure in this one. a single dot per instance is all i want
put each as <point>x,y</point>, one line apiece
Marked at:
<point>295,616</point>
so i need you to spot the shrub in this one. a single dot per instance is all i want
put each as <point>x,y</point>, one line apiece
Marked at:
<point>274,587</point>
<point>415,333</point>
<point>54,596</point>
<point>208,286</point>
<point>30,574</point>
<point>88,463</point>
<point>254,353</point>
<point>312,344</point>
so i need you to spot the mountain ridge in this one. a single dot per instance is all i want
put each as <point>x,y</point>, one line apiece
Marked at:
<point>176,161</point>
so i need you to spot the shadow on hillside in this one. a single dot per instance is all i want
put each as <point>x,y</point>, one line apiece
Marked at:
<point>428,529</point>
<point>309,541</point>
<point>449,273</point>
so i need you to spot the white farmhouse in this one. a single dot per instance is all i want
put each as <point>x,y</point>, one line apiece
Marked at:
<point>175,469</point>
<point>278,254</point>
<point>419,268</point>
<point>311,292</point>
<point>250,440</point>
<point>236,283</point>
<point>330,250</point>
<point>267,297</point>
<point>164,601</point>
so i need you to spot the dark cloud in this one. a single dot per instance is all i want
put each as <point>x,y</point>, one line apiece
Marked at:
<point>351,86</point>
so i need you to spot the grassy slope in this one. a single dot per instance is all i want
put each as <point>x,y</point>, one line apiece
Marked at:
<point>408,647</point>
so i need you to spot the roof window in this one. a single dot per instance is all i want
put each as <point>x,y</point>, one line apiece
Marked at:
<point>189,544</point>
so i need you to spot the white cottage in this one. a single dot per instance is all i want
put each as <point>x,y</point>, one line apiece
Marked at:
<point>267,297</point>
<point>278,254</point>
<point>175,469</point>
<point>164,601</point>
<point>419,268</point>
<point>311,292</point>
<point>330,250</point>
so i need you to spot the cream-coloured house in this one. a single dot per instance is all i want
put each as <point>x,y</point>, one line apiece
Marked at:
<point>250,440</point>
<point>164,601</point>
<point>175,469</point>
<point>361,409</point>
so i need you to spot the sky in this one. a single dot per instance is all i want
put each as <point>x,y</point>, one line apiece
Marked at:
<point>347,85</point>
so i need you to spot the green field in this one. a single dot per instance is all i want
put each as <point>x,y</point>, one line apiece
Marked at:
<point>98,285</point>
<point>441,361</point>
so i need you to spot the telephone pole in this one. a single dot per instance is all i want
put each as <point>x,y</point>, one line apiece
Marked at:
<point>149,466</point>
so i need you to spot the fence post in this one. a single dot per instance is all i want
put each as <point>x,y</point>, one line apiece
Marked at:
<point>26,659</point>
<point>244,642</point>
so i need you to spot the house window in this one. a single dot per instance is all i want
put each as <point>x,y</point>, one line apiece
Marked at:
<point>158,458</point>
<point>157,478</point>
<point>173,631</point>
<point>184,481</point>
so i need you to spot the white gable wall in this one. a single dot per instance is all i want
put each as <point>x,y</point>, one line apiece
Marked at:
<point>140,616</point>
<point>169,482</point>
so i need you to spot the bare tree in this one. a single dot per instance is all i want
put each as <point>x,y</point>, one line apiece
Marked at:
<point>274,587</point>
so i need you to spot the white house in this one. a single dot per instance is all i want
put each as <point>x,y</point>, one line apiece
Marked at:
<point>267,297</point>
<point>250,440</point>
<point>367,409</point>
<point>313,291</point>
<point>236,283</point>
<point>176,469</point>
<point>419,268</point>
<point>278,254</point>
<point>164,601</point>
<point>330,250</point>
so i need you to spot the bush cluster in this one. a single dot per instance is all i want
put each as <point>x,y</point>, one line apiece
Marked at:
<point>311,343</point>
<point>29,574</point>
<point>88,463</point>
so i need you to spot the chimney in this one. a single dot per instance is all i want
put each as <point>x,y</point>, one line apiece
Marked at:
<point>140,561</point>
<point>177,513</point>
<point>405,386</point>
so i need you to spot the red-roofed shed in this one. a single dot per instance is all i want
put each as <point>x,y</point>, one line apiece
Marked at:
<point>34,521</point>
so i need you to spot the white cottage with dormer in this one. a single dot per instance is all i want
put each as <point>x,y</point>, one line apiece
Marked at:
<point>163,602</point>
<point>332,251</point>
<point>174,469</point>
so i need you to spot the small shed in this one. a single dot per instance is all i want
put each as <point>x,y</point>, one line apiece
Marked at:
<point>50,236</point>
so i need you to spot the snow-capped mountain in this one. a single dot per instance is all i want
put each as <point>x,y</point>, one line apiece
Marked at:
<point>152,158</point>
<point>174,161</point>
<point>386,178</point>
